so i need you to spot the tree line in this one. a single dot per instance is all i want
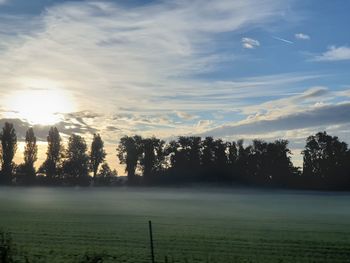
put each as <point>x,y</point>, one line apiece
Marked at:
<point>188,159</point>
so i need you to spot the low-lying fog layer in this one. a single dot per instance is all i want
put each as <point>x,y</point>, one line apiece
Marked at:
<point>184,202</point>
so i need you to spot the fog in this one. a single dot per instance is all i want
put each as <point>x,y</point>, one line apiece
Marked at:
<point>184,202</point>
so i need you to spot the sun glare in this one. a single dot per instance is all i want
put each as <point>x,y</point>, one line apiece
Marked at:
<point>41,104</point>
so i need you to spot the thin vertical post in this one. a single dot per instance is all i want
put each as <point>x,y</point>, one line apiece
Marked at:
<point>151,240</point>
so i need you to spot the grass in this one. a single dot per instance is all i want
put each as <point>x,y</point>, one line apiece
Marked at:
<point>190,225</point>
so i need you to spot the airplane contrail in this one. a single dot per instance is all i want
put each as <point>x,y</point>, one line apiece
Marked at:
<point>283,40</point>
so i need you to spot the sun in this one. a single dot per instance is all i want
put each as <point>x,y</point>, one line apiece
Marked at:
<point>41,104</point>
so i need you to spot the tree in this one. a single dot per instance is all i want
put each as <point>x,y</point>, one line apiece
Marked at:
<point>280,166</point>
<point>269,163</point>
<point>129,152</point>
<point>195,152</point>
<point>76,164</point>
<point>172,152</point>
<point>220,153</point>
<point>208,158</point>
<point>97,153</point>
<point>106,176</point>
<point>242,161</point>
<point>53,154</point>
<point>160,162</point>
<point>9,148</point>
<point>326,158</point>
<point>221,161</point>
<point>232,153</point>
<point>185,157</point>
<point>152,158</point>
<point>30,156</point>
<point>189,151</point>
<point>106,171</point>
<point>208,152</point>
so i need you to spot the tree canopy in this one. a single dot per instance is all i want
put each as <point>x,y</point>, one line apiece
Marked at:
<point>97,153</point>
<point>8,149</point>
<point>187,159</point>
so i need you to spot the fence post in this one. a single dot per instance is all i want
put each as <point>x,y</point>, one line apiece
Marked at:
<point>151,240</point>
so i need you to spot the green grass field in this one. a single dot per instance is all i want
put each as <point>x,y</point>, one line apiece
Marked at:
<point>190,225</point>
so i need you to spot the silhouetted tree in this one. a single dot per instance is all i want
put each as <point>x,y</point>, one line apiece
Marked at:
<point>148,158</point>
<point>106,176</point>
<point>152,157</point>
<point>171,150</point>
<point>97,153</point>
<point>269,163</point>
<point>208,158</point>
<point>195,152</point>
<point>232,153</point>
<point>208,152</point>
<point>188,149</point>
<point>129,152</point>
<point>53,154</point>
<point>76,164</point>
<point>232,160</point>
<point>30,155</point>
<point>257,162</point>
<point>326,159</point>
<point>8,150</point>
<point>185,157</point>
<point>221,160</point>
<point>280,167</point>
<point>160,163</point>
<point>242,161</point>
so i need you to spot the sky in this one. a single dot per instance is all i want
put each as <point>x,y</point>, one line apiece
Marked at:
<point>231,69</point>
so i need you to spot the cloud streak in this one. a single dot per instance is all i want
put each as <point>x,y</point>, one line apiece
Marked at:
<point>283,40</point>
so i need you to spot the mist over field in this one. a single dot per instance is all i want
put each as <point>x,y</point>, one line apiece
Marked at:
<point>189,224</point>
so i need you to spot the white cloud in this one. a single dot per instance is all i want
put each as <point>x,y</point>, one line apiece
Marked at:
<point>302,36</point>
<point>250,43</point>
<point>185,115</point>
<point>204,123</point>
<point>334,54</point>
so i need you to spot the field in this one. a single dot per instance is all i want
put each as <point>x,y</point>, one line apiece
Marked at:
<point>190,225</point>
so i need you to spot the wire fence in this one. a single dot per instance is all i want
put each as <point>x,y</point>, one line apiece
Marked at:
<point>187,241</point>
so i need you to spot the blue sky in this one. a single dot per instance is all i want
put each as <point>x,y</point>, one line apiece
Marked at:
<point>232,69</point>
